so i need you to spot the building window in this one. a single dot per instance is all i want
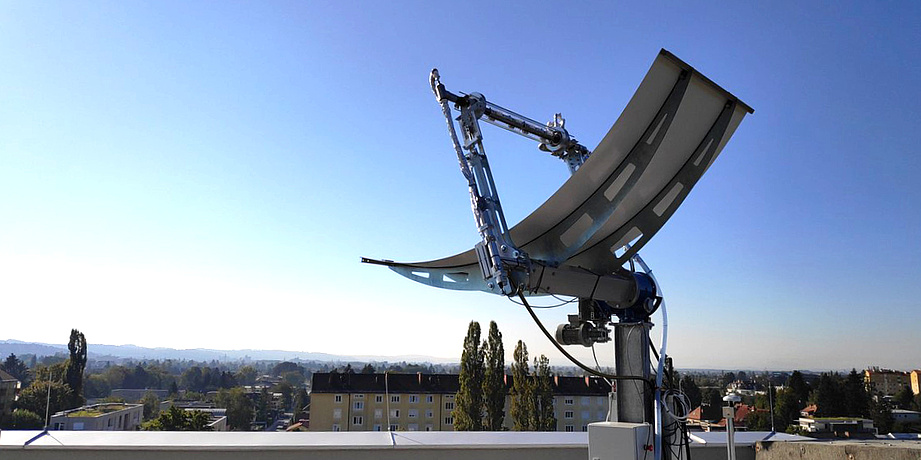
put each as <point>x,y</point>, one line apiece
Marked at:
<point>449,406</point>
<point>567,401</point>
<point>601,400</point>
<point>413,413</point>
<point>338,398</point>
<point>394,398</point>
<point>602,415</point>
<point>412,427</point>
<point>337,413</point>
<point>395,413</point>
<point>359,405</point>
<point>357,420</point>
<point>379,398</point>
<point>586,400</point>
<point>429,427</point>
<point>584,427</point>
<point>378,413</point>
<point>413,399</point>
<point>358,396</point>
<point>570,428</point>
<point>429,414</point>
<point>394,427</point>
<point>449,420</point>
<point>377,427</point>
<point>429,399</point>
<point>335,427</point>
<point>567,414</point>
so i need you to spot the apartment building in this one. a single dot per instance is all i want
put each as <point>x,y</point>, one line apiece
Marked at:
<point>915,378</point>
<point>9,387</point>
<point>885,381</point>
<point>425,402</point>
<point>100,417</point>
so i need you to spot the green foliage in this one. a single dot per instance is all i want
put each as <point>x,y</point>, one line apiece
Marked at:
<point>239,408</point>
<point>543,396</point>
<point>691,390</point>
<point>15,367</point>
<point>23,419</point>
<point>903,399</point>
<point>800,388</point>
<point>856,398</point>
<point>786,408</point>
<point>711,403</point>
<point>468,410</point>
<point>176,419</point>
<point>829,396</point>
<point>881,414</point>
<point>287,393</point>
<point>494,389</point>
<point>301,400</point>
<point>286,366</point>
<point>151,405</point>
<point>35,396</point>
<point>262,405</point>
<point>246,375</point>
<point>96,386</point>
<point>368,369</point>
<point>522,409</point>
<point>294,378</point>
<point>73,372</point>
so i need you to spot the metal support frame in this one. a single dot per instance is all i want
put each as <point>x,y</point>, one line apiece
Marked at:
<point>509,270</point>
<point>631,355</point>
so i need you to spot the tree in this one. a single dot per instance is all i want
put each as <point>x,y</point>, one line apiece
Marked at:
<point>522,408</point>
<point>73,374</point>
<point>543,396</point>
<point>786,408</point>
<point>691,390</point>
<point>262,405</point>
<point>176,419</point>
<point>15,367</point>
<point>301,401</point>
<point>468,408</point>
<point>881,414</point>
<point>246,375</point>
<point>368,369</point>
<point>903,398</point>
<point>800,388</point>
<point>494,389</point>
<point>856,399</point>
<point>286,366</point>
<point>151,405</point>
<point>22,419</point>
<point>829,396</point>
<point>239,408</point>
<point>35,397</point>
<point>711,404</point>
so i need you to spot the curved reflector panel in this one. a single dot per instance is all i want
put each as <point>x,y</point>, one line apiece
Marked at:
<point>672,129</point>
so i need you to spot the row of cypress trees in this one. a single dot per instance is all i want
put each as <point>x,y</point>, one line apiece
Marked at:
<point>480,401</point>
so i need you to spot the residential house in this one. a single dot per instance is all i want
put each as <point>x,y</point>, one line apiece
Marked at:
<point>100,417</point>
<point>9,389</point>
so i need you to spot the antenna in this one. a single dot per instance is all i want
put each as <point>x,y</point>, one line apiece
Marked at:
<point>584,241</point>
<point>47,414</point>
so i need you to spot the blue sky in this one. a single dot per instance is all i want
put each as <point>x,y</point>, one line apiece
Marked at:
<point>207,174</point>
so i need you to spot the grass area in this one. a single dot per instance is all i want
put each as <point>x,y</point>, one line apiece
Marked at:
<point>97,411</point>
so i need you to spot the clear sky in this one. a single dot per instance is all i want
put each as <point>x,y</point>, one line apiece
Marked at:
<point>207,174</point>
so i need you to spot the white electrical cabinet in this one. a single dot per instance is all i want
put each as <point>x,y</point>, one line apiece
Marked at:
<point>619,441</point>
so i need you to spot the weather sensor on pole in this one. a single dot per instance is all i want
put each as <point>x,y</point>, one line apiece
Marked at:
<point>584,240</point>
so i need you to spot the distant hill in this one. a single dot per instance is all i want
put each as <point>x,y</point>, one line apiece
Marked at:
<point>104,352</point>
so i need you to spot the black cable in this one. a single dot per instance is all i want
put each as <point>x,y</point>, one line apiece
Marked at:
<point>574,360</point>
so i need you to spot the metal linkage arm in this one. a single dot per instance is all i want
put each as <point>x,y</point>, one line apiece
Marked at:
<point>503,265</point>
<point>552,136</point>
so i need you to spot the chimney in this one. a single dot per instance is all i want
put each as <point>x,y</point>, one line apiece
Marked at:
<point>556,380</point>
<point>419,375</point>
